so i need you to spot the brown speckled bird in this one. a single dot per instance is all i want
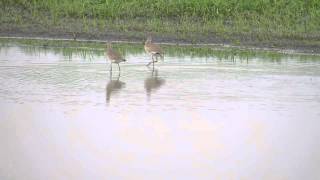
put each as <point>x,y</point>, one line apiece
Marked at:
<point>114,56</point>
<point>153,49</point>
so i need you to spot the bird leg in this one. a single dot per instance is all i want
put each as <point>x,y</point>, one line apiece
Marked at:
<point>119,67</point>
<point>110,67</point>
<point>151,61</point>
<point>118,76</point>
<point>156,58</point>
<point>152,72</point>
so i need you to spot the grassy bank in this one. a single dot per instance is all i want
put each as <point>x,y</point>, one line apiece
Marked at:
<point>234,21</point>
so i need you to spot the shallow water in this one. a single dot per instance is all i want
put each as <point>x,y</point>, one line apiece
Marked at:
<point>63,116</point>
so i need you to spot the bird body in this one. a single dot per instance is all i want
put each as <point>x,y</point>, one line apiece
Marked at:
<point>114,56</point>
<point>153,49</point>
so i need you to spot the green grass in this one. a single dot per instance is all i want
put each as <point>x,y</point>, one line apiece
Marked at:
<point>186,19</point>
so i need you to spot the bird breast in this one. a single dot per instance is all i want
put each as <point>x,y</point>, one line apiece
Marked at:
<point>114,56</point>
<point>152,48</point>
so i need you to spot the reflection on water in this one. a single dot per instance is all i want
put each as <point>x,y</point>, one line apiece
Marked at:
<point>202,114</point>
<point>153,82</point>
<point>113,86</point>
<point>90,51</point>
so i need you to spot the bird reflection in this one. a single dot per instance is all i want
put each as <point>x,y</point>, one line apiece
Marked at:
<point>113,86</point>
<point>152,83</point>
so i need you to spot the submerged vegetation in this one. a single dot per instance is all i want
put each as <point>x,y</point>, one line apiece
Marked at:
<point>89,50</point>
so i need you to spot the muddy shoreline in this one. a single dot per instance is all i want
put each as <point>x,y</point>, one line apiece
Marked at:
<point>245,42</point>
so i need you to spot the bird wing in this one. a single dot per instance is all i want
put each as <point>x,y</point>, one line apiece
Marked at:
<point>153,48</point>
<point>114,55</point>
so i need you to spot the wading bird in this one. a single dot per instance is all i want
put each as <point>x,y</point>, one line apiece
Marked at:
<point>153,49</point>
<point>114,56</point>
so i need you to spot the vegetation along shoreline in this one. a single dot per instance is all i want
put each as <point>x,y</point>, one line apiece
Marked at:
<point>286,25</point>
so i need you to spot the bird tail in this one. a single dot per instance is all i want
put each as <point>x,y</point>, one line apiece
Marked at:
<point>124,60</point>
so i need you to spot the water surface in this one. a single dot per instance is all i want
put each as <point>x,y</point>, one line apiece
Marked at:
<point>216,114</point>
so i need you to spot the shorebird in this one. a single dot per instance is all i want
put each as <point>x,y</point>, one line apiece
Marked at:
<point>153,49</point>
<point>114,56</point>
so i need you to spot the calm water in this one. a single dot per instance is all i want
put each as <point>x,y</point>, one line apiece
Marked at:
<point>196,116</point>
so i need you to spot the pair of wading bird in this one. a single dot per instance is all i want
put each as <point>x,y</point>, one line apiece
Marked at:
<point>151,48</point>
